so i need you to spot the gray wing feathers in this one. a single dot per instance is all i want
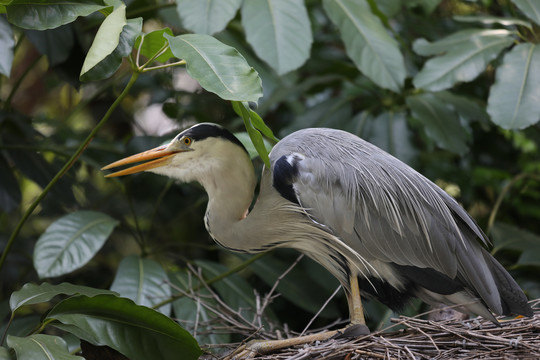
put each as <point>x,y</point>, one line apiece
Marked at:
<point>384,209</point>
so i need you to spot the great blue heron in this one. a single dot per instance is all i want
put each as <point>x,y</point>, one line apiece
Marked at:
<point>381,228</point>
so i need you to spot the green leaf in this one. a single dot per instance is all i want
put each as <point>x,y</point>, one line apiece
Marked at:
<point>7,42</point>
<point>390,132</point>
<point>279,31</point>
<point>302,291</point>
<point>427,5</point>
<point>333,112</point>
<point>49,14</point>
<point>21,325</point>
<point>114,41</point>
<point>510,237</point>
<point>367,42</point>
<point>195,316</point>
<point>466,107</point>
<point>243,110</point>
<point>154,42</point>
<point>466,55</point>
<point>143,281</point>
<point>4,353</point>
<point>70,242</point>
<point>489,20</point>
<point>136,331</point>
<point>39,346</point>
<point>248,144</point>
<point>207,16</point>
<point>57,43</point>
<point>33,294</point>
<point>106,40</point>
<point>259,124</point>
<point>10,193</point>
<point>234,290</point>
<point>217,67</point>
<point>531,8</point>
<point>389,8</point>
<point>513,101</point>
<point>440,122</point>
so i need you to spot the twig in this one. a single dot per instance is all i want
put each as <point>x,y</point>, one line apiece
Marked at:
<point>320,310</point>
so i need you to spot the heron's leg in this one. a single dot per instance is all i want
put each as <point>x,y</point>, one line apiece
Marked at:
<point>357,327</point>
<point>356,310</point>
<point>255,347</point>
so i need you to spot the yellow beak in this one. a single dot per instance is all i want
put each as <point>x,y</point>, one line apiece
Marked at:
<point>159,156</point>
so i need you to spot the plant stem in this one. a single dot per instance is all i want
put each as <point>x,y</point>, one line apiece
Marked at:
<point>19,81</point>
<point>67,166</point>
<point>501,196</point>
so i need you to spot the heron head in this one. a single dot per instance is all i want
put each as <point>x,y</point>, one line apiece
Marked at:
<point>190,156</point>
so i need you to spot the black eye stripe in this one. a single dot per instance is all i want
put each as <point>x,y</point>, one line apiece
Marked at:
<point>205,130</point>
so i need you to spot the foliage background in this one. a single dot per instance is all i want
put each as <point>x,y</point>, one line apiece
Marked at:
<point>450,87</point>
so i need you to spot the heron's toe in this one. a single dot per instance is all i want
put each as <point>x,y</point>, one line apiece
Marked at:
<point>247,351</point>
<point>352,331</point>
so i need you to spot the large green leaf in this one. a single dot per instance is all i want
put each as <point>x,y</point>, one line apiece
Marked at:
<point>193,314</point>
<point>57,43</point>
<point>33,294</point>
<point>389,8</point>
<point>467,108</point>
<point>390,132</point>
<point>107,38</point>
<point>7,42</point>
<point>510,237</point>
<point>305,292</point>
<point>114,41</point>
<point>4,354</point>
<point>21,325</point>
<point>440,122</point>
<point>143,281</point>
<point>217,67</point>
<point>466,55</point>
<point>333,112</point>
<point>513,101</point>
<point>70,242</point>
<point>49,14</point>
<point>138,332</point>
<point>207,16</point>
<point>279,31</point>
<point>530,8</point>
<point>367,42</point>
<point>234,290</point>
<point>41,347</point>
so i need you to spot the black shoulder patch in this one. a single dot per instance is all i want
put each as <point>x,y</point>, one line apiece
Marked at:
<point>206,130</point>
<point>284,175</point>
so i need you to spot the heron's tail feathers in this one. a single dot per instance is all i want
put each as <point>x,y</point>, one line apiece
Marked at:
<point>513,300</point>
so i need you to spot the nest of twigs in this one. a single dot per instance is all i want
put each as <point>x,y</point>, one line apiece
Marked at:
<point>423,339</point>
<point>408,338</point>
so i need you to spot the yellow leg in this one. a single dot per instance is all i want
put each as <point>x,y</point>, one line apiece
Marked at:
<point>356,310</point>
<point>357,327</point>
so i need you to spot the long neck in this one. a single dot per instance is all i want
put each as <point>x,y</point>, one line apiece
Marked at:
<point>273,222</point>
<point>230,194</point>
<point>227,218</point>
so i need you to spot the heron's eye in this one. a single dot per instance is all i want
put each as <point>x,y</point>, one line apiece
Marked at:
<point>187,141</point>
